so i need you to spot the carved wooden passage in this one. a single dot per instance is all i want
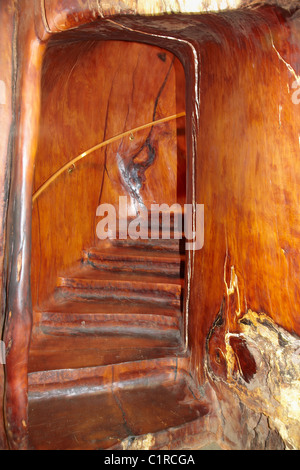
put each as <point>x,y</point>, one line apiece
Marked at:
<point>215,331</point>
<point>90,92</point>
<point>123,301</point>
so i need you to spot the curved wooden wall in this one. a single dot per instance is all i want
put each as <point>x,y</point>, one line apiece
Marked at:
<point>60,15</point>
<point>7,75</point>
<point>92,91</point>
<point>243,148</point>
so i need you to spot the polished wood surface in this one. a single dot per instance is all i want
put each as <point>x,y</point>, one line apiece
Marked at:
<point>115,306</point>
<point>109,420</point>
<point>236,152</point>
<point>249,186</point>
<point>7,73</point>
<point>18,322</point>
<point>123,168</point>
<point>60,15</point>
<point>70,166</point>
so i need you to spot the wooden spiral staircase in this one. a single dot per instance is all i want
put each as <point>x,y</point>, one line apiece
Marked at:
<point>107,360</point>
<point>127,344</point>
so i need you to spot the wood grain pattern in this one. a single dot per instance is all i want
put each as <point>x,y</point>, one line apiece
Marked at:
<point>19,314</point>
<point>226,203</point>
<point>7,72</point>
<point>242,137</point>
<point>120,169</point>
<point>62,15</point>
<point>249,186</point>
<point>62,381</point>
<point>109,309</point>
<point>116,424</point>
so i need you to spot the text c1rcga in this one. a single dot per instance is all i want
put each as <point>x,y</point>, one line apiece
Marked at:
<point>173,459</point>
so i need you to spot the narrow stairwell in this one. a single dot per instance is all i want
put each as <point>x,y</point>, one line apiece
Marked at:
<point>107,362</point>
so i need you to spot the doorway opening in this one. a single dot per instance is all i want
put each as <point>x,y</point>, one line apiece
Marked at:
<point>112,129</point>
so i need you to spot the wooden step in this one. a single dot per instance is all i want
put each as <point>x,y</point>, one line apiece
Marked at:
<point>73,350</point>
<point>137,324</point>
<point>96,317</point>
<point>48,383</point>
<point>139,415</point>
<point>62,305</point>
<point>127,259</point>
<point>88,283</point>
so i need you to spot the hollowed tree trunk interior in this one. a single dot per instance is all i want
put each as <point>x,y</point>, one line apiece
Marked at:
<point>141,342</point>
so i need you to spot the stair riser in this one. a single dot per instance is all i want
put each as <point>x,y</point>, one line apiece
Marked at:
<point>100,331</point>
<point>103,324</point>
<point>138,290</point>
<point>160,297</point>
<point>61,382</point>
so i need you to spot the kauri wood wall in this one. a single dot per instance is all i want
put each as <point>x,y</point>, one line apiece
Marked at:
<point>244,295</point>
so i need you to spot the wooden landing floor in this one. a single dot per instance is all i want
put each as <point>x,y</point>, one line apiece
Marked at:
<point>161,415</point>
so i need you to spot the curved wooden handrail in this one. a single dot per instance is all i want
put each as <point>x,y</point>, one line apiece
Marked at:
<point>72,162</point>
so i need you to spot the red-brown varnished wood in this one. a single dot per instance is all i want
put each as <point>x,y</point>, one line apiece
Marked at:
<point>109,316</point>
<point>111,313</point>
<point>236,152</point>
<point>17,329</point>
<point>7,75</point>
<point>94,284</point>
<point>63,305</point>
<point>45,384</point>
<point>75,351</point>
<point>132,260</point>
<point>248,185</point>
<point>109,420</point>
<point>121,79</point>
<point>218,118</point>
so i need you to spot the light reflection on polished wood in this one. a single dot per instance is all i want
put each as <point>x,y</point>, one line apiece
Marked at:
<point>242,139</point>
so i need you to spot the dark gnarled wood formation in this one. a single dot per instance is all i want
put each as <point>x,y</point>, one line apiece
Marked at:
<point>109,326</point>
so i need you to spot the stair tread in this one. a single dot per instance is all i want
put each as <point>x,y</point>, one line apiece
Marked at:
<point>64,306</point>
<point>126,259</point>
<point>100,324</point>
<point>88,283</point>
<point>150,245</point>
<point>95,275</point>
<point>73,350</point>
<point>105,420</point>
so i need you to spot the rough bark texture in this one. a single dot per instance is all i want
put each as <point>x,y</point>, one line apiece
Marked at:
<point>287,4</point>
<point>261,366</point>
<point>253,432</point>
